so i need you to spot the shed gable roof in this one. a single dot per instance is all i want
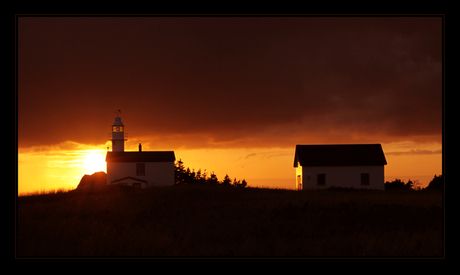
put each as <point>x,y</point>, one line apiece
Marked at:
<point>144,156</point>
<point>339,155</point>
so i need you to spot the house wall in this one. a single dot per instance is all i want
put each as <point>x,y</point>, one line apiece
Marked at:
<point>341,176</point>
<point>156,173</point>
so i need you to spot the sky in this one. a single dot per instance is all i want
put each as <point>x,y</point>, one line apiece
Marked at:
<point>228,94</point>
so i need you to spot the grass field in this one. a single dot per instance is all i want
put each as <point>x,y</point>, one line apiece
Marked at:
<point>220,221</point>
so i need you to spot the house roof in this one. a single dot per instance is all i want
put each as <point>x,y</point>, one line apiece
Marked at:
<point>339,155</point>
<point>144,156</point>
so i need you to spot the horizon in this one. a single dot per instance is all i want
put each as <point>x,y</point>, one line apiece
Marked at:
<point>64,170</point>
<point>233,95</point>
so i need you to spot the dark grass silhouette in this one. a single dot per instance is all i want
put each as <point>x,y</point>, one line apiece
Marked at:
<point>224,221</point>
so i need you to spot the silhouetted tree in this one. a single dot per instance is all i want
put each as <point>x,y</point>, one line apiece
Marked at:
<point>227,181</point>
<point>213,179</point>
<point>203,178</point>
<point>416,185</point>
<point>398,184</point>
<point>240,183</point>
<point>197,176</point>
<point>436,183</point>
<point>179,172</point>
<point>192,176</point>
<point>409,185</point>
<point>185,176</point>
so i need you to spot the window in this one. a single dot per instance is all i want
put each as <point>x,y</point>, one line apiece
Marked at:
<point>140,169</point>
<point>117,128</point>
<point>321,179</point>
<point>364,178</point>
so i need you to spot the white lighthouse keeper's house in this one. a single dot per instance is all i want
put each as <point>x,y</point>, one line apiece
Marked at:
<point>137,168</point>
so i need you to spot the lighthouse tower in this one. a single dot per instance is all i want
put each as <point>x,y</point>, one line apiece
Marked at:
<point>137,168</point>
<point>118,135</point>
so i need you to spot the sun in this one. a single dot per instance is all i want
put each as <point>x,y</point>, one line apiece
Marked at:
<point>94,161</point>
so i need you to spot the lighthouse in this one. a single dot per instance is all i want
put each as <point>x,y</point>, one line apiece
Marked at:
<point>118,136</point>
<point>137,168</point>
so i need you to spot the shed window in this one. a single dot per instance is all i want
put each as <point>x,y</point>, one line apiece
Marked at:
<point>321,179</point>
<point>140,169</point>
<point>364,178</point>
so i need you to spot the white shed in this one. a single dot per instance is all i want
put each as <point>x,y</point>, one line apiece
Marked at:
<point>339,165</point>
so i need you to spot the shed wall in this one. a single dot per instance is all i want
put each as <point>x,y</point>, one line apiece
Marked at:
<point>341,176</point>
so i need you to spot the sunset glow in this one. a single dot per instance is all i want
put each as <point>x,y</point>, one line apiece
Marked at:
<point>49,168</point>
<point>53,169</point>
<point>232,95</point>
<point>94,161</point>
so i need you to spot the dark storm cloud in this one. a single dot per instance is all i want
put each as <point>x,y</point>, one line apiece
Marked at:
<point>230,81</point>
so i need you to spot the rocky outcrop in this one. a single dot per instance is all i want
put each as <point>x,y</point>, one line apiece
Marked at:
<point>97,180</point>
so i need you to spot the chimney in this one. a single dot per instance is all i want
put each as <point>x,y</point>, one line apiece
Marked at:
<point>140,147</point>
